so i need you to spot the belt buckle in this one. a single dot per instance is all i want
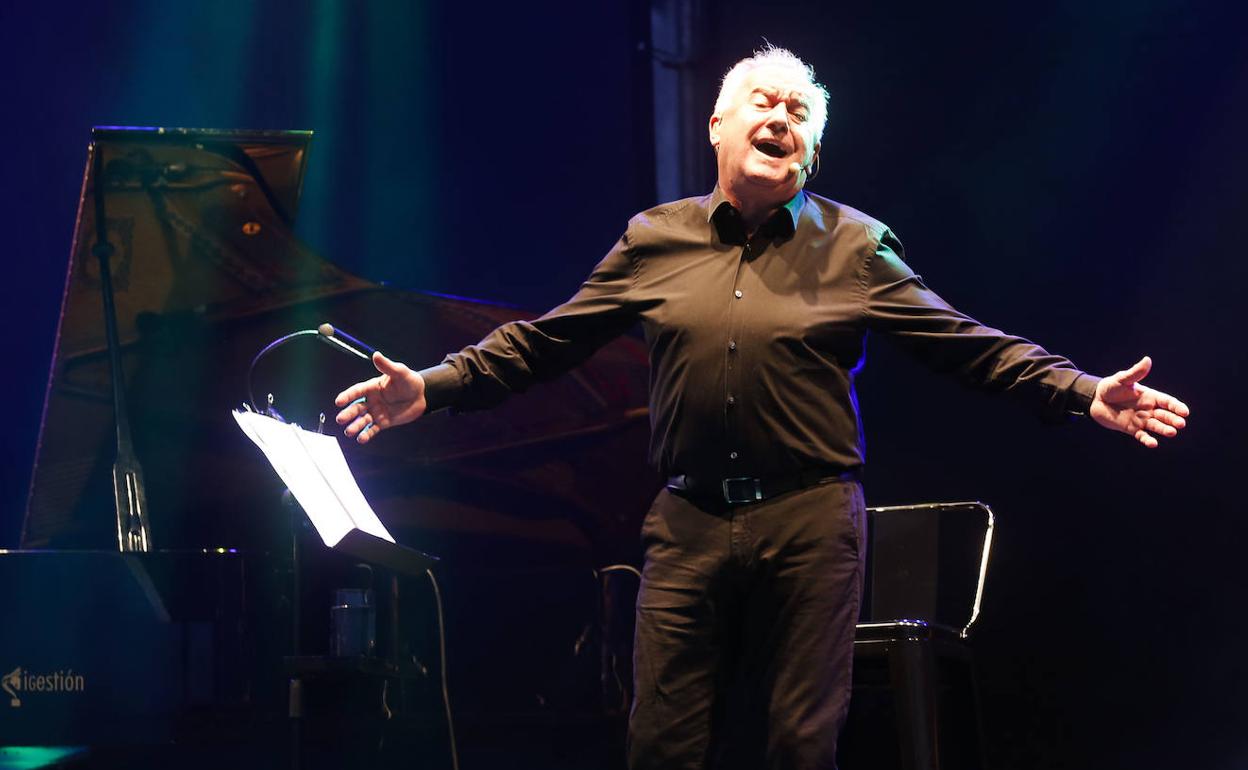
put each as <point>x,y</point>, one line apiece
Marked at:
<point>742,489</point>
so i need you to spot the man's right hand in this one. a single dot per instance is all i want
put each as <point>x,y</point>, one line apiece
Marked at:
<point>395,397</point>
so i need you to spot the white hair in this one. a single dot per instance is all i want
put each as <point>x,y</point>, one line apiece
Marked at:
<point>774,56</point>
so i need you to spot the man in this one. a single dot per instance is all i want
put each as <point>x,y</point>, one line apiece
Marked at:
<point>755,301</point>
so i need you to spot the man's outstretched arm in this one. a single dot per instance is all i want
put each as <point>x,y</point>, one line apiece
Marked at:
<point>1123,404</point>
<point>509,359</point>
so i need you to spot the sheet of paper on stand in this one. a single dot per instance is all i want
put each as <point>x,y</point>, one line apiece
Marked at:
<point>314,469</point>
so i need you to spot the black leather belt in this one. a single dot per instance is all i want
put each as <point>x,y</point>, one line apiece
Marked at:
<point>749,489</point>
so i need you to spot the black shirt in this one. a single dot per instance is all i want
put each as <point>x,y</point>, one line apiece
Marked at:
<point>754,342</point>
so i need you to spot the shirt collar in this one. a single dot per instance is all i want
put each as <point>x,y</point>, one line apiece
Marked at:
<point>777,223</point>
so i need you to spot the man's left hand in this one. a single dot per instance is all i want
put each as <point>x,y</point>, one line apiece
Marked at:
<point>1122,403</point>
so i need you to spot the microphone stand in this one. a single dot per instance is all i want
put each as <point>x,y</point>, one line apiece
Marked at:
<point>133,532</point>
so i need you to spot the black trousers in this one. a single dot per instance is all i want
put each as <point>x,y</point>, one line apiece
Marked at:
<point>745,630</point>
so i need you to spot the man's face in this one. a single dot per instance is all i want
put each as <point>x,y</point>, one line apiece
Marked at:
<point>765,129</point>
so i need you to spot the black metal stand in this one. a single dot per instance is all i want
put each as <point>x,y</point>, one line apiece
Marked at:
<point>133,532</point>
<point>308,674</point>
<point>294,693</point>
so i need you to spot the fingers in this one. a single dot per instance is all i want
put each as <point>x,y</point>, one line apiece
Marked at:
<point>354,409</point>
<point>1159,423</point>
<point>1170,420</point>
<point>367,433</point>
<point>361,425</point>
<point>1155,425</point>
<point>357,391</point>
<point>385,365</point>
<point>1171,417</point>
<point>362,428</point>
<point>369,387</point>
<point>1165,407</point>
<point>1136,373</point>
<point>1172,404</point>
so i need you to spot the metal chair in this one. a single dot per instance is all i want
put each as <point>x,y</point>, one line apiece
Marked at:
<point>925,578</point>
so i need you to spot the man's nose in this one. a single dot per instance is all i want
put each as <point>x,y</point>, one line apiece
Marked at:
<point>778,118</point>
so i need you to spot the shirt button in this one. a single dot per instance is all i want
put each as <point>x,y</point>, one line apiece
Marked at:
<point>738,293</point>
<point>732,400</point>
<point>732,344</point>
<point>732,455</point>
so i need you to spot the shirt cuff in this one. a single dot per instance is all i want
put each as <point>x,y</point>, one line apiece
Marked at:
<point>1080,395</point>
<point>442,387</point>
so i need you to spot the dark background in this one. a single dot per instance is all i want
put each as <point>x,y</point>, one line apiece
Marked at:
<point>1070,172</point>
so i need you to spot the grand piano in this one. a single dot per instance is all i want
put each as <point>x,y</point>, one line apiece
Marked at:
<point>185,639</point>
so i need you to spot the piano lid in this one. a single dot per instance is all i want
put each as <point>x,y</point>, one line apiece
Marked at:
<point>206,271</point>
<point>201,222</point>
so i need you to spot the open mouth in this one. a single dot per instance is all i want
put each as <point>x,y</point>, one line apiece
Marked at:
<point>770,148</point>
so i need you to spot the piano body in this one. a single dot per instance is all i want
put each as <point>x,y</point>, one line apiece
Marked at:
<point>135,648</point>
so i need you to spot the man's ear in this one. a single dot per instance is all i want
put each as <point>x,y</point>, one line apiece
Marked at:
<point>712,130</point>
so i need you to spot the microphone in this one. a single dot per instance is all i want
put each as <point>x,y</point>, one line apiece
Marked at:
<point>326,333</point>
<point>345,342</point>
<point>795,167</point>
